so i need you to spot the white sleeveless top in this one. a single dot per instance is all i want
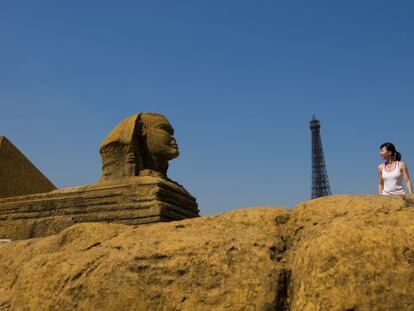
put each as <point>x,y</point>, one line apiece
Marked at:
<point>392,180</point>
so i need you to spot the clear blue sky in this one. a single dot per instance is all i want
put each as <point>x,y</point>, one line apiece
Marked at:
<point>239,81</point>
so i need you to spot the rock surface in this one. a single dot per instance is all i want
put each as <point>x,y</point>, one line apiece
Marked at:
<point>335,253</point>
<point>353,253</point>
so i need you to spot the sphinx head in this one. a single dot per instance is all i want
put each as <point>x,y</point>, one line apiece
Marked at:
<point>142,143</point>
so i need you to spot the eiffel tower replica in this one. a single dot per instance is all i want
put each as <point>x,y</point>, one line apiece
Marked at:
<point>320,182</point>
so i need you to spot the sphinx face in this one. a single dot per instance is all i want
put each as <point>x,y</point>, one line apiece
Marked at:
<point>160,139</point>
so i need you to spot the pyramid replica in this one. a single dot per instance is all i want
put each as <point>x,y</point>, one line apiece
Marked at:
<point>18,176</point>
<point>133,189</point>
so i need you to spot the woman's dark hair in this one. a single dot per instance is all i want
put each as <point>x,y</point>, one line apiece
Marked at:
<point>390,147</point>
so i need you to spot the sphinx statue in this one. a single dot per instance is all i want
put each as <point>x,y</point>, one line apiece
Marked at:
<point>133,189</point>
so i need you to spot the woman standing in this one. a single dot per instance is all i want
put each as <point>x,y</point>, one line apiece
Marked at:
<point>392,171</point>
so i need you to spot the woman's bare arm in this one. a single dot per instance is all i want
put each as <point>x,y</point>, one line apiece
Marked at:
<point>380,180</point>
<point>406,176</point>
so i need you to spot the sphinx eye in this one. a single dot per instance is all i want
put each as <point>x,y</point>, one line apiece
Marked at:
<point>166,128</point>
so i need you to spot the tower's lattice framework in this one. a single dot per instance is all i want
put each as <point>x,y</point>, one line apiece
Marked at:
<point>320,182</point>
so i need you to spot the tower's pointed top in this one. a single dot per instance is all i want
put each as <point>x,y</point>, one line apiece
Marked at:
<point>314,122</point>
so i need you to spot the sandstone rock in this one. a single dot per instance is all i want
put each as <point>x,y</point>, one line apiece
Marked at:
<point>353,253</point>
<point>228,261</point>
<point>18,176</point>
<point>335,253</point>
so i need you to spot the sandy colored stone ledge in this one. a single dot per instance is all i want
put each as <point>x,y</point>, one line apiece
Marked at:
<point>335,253</point>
